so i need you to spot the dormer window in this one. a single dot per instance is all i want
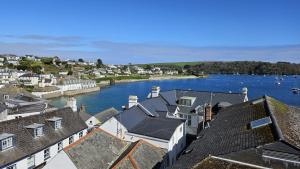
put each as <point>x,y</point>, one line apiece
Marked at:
<point>186,101</point>
<point>36,129</point>
<point>6,141</point>
<point>55,122</point>
<point>6,97</point>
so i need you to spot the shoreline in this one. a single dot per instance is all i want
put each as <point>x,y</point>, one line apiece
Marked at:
<point>105,84</point>
<point>154,78</point>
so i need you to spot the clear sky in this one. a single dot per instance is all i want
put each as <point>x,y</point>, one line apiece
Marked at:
<point>144,31</point>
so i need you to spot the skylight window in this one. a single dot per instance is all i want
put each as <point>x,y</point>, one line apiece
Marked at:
<point>260,122</point>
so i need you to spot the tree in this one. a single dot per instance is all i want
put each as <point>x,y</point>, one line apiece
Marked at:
<point>70,72</point>
<point>148,67</point>
<point>80,60</point>
<point>99,63</point>
<point>47,60</point>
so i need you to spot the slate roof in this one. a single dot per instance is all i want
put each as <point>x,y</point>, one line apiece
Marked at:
<point>27,145</point>
<point>228,133</point>
<point>138,121</point>
<point>254,155</point>
<point>106,114</point>
<point>214,163</point>
<point>288,121</point>
<point>162,128</point>
<point>84,115</point>
<point>230,137</point>
<point>14,92</point>
<point>140,154</point>
<point>29,75</point>
<point>98,149</point>
<point>202,97</point>
<point>27,109</point>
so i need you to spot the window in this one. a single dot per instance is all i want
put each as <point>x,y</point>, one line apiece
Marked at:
<point>58,124</point>
<point>38,132</point>
<point>7,143</point>
<point>71,139</point>
<point>185,102</point>
<point>80,134</point>
<point>12,166</point>
<point>189,120</point>
<point>46,154</point>
<point>6,97</point>
<point>30,162</point>
<point>59,146</point>
<point>260,122</point>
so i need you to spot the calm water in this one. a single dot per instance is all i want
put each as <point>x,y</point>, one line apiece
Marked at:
<point>117,95</point>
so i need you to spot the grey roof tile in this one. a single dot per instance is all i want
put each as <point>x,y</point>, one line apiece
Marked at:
<point>27,145</point>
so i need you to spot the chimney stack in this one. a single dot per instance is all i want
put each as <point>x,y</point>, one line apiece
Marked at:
<point>82,108</point>
<point>208,112</point>
<point>155,91</point>
<point>132,101</point>
<point>245,94</point>
<point>71,102</point>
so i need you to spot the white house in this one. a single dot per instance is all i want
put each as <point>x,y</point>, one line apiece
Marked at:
<point>29,79</point>
<point>33,141</point>
<point>148,121</point>
<point>71,83</point>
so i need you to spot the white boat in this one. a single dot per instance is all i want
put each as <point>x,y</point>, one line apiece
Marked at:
<point>296,90</point>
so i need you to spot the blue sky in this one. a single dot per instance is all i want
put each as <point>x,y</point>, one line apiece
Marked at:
<point>144,31</point>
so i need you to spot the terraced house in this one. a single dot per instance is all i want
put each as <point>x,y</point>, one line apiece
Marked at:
<point>261,133</point>
<point>31,142</point>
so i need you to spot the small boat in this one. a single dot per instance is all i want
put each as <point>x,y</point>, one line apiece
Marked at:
<point>278,83</point>
<point>296,90</point>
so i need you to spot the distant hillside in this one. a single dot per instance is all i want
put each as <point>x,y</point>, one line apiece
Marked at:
<point>241,67</point>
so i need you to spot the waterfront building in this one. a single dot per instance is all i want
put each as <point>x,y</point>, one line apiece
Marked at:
<point>72,83</point>
<point>29,79</point>
<point>10,75</point>
<point>33,141</point>
<point>19,103</point>
<point>261,133</point>
<point>100,149</point>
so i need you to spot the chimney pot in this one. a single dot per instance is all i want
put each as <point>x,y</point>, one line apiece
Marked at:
<point>155,91</point>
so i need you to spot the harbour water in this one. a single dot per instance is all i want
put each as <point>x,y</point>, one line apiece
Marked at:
<point>117,95</point>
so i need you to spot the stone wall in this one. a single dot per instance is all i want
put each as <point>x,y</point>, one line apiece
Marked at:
<point>70,93</point>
